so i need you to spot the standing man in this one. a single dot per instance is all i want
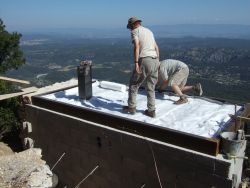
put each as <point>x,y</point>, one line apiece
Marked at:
<point>146,60</point>
<point>174,73</point>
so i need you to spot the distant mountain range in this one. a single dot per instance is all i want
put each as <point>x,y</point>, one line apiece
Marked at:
<point>166,31</point>
<point>218,31</point>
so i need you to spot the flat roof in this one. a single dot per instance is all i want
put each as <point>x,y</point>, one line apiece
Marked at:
<point>200,116</point>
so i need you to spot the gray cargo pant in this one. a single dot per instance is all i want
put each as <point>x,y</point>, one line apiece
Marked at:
<point>149,72</point>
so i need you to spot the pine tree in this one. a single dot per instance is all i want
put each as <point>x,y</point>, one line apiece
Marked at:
<point>11,57</point>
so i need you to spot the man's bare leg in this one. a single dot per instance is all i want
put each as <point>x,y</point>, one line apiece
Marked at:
<point>186,89</point>
<point>177,90</point>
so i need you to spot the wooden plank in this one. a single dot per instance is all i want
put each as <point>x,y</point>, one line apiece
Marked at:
<point>11,95</point>
<point>53,88</point>
<point>208,146</point>
<point>238,120</point>
<point>14,80</point>
<point>246,112</point>
<point>243,119</point>
<point>244,116</point>
<point>29,89</point>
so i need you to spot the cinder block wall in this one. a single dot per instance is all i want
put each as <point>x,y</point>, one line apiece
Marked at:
<point>125,160</point>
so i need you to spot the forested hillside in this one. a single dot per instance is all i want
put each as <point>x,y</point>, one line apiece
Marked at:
<point>221,65</point>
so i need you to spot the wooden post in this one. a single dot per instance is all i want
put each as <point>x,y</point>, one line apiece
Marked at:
<point>14,80</point>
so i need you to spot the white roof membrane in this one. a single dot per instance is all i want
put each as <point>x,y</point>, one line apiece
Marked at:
<point>200,116</point>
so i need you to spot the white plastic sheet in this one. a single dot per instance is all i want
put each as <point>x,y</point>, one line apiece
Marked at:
<point>200,116</point>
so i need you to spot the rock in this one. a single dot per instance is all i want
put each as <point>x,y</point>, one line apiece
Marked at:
<point>5,150</point>
<point>41,176</point>
<point>25,169</point>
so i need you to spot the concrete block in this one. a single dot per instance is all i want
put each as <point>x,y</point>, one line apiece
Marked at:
<point>78,135</point>
<point>29,127</point>
<point>113,177</point>
<point>26,128</point>
<point>73,177</point>
<point>134,165</point>
<point>222,168</point>
<point>183,183</point>
<point>212,180</point>
<point>28,143</point>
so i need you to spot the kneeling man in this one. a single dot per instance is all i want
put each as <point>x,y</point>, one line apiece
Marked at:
<point>174,73</point>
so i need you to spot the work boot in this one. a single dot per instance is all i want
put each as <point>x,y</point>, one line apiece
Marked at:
<point>183,99</point>
<point>150,113</point>
<point>129,110</point>
<point>198,89</point>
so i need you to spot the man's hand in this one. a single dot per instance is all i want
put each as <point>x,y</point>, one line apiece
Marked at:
<point>137,68</point>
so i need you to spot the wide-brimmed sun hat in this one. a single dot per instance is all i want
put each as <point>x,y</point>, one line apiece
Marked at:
<point>131,21</point>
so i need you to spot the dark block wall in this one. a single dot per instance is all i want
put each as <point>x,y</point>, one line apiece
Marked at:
<point>125,160</point>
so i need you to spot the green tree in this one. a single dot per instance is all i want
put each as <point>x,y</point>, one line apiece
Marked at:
<point>11,57</point>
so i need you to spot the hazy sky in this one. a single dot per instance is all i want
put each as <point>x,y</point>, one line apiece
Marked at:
<point>29,14</point>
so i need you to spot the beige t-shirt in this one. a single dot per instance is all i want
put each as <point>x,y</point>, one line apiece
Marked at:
<point>169,67</point>
<point>146,41</point>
